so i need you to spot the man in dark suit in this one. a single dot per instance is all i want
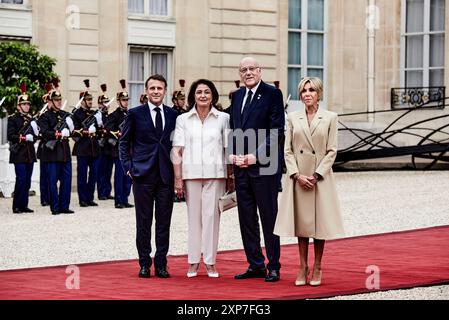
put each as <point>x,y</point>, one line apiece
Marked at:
<point>257,121</point>
<point>144,150</point>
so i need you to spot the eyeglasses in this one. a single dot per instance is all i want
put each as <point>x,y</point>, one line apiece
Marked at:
<point>250,69</point>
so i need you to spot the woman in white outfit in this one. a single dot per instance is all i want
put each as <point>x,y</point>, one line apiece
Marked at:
<point>200,171</point>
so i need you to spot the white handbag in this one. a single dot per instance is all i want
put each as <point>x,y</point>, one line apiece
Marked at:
<point>227,201</point>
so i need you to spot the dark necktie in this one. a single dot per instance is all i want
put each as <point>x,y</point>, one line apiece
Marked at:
<point>248,101</point>
<point>158,121</point>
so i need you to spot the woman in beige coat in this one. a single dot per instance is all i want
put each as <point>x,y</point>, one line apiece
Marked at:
<point>309,206</point>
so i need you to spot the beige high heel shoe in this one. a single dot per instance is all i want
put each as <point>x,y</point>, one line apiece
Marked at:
<point>193,270</point>
<point>301,279</point>
<point>316,278</point>
<point>211,271</point>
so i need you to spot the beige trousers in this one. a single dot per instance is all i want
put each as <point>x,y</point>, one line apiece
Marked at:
<point>204,218</point>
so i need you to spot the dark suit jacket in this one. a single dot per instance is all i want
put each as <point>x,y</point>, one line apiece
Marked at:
<point>266,111</point>
<point>140,150</point>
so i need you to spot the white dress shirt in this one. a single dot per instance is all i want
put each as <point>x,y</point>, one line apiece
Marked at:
<point>246,95</point>
<point>154,113</point>
<point>203,144</point>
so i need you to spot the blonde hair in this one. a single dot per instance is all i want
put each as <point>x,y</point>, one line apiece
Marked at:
<point>315,83</point>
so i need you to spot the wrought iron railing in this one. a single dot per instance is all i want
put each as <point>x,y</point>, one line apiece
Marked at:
<point>430,135</point>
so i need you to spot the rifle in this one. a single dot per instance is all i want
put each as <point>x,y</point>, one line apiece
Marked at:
<point>1,101</point>
<point>61,125</point>
<point>286,102</point>
<point>27,129</point>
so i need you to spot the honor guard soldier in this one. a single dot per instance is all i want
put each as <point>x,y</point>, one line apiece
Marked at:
<point>179,98</point>
<point>122,182</point>
<point>105,161</point>
<point>86,147</point>
<point>22,132</point>
<point>56,126</point>
<point>43,174</point>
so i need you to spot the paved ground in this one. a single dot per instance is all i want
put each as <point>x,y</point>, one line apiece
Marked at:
<point>372,202</point>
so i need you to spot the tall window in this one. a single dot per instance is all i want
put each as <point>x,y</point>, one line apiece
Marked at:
<point>148,7</point>
<point>306,39</point>
<point>423,43</point>
<point>143,63</point>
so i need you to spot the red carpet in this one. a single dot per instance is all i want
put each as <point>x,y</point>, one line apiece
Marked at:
<point>405,260</point>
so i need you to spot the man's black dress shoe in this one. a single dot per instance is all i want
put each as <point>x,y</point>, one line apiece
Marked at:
<point>162,273</point>
<point>55,212</point>
<point>273,276</point>
<point>27,210</point>
<point>128,205</point>
<point>67,211</point>
<point>84,204</point>
<point>110,197</point>
<point>92,204</point>
<point>102,198</point>
<point>44,204</point>
<point>252,273</point>
<point>119,206</point>
<point>144,272</point>
<point>15,210</point>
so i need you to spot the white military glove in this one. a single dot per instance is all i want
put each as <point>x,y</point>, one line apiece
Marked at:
<point>29,137</point>
<point>92,129</point>
<point>35,127</point>
<point>65,133</point>
<point>98,116</point>
<point>70,124</point>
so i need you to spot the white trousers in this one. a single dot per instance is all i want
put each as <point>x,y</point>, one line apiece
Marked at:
<point>204,218</point>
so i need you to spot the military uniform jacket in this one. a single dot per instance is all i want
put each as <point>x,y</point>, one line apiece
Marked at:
<point>47,123</point>
<point>105,147</point>
<point>85,145</point>
<point>113,124</point>
<point>25,152</point>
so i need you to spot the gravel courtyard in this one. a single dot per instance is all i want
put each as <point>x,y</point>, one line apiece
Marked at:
<point>372,202</point>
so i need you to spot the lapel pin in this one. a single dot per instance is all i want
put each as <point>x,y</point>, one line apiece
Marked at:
<point>259,96</point>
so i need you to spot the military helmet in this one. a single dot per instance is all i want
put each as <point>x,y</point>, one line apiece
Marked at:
<point>86,94</point>
<point>54,93</point>
<point>123,95</point>
<point>23,98</point>
<point>143,98</point>
<point>181,93</point>
<point>103,99</point>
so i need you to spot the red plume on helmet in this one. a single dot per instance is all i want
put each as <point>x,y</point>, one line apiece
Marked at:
<point>104,88</point>
<point>55,83</point>
<point>182,83</point>
<point>48,87</point>
<point>237,83</point>
<point>23,88</point>
<point>276,84</point>
<point>87,83</point>
<point>123,84</point>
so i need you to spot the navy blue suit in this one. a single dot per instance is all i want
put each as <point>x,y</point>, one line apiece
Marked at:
<point>257,185</point>
<point>147,157</point>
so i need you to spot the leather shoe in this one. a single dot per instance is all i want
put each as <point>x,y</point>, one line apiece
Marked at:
<point>144,272</point>
<point>67,211</point>
<point>119,206</point>
<point>162,273</point>
<point>44,204</point>
<point>273,276</point>
<point>55,212</point>
<point>252,273</point>
<point>102,198</point>
<point>92,204</point>
<point>84,204</point>
<point>27,210</point>
<point>15,210</point>
<point>128,205</point>
<point>110,197</point>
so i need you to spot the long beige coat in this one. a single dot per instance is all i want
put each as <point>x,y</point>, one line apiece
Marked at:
<point>315,213</point>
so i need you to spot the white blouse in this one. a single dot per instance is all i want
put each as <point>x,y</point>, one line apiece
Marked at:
<point>203,144</point>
